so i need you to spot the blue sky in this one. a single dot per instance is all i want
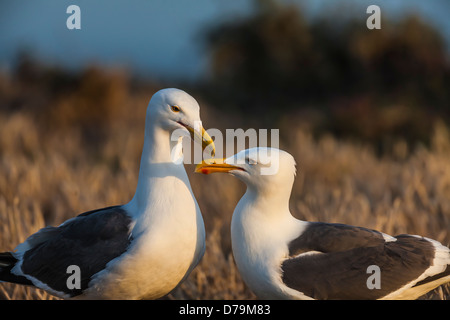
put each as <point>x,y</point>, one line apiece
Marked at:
<point>156,38</point>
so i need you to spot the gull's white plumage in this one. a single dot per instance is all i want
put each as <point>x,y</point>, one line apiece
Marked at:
<point>168,226</point>
<point>257,214</point>
<point>160,231</point>
<point>281,257</point>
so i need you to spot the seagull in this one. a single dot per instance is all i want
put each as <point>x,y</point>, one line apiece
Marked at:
<point>140,250</point>
<point>281,257</point>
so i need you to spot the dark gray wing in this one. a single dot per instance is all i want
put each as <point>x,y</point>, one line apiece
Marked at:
<point>341,271</point>
<point>88,241</point>
<point>331,237</point>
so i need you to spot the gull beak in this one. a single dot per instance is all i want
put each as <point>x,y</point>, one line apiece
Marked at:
<point>203,137</point>
<point>215,165</point>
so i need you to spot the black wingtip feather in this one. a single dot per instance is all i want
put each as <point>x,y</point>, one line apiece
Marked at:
<point>7,262</point>
<point>7,259</point>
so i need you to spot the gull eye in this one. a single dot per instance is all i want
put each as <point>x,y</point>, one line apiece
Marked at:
<point>250,161</point>
<point>175,108</point>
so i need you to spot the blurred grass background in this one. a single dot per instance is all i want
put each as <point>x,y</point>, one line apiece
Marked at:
<point>365,113</point>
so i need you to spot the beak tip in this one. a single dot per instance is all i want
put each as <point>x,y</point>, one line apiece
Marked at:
<point>201,170</point>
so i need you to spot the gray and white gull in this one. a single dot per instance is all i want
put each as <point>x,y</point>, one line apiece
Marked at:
<point>281,257</point>
<point>140,250</point>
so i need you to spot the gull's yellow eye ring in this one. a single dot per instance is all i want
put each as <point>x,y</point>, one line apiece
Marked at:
<point>175,108</point>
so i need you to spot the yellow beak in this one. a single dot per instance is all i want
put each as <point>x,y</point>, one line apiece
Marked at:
<point>215,165</point>
<point>203,137</point>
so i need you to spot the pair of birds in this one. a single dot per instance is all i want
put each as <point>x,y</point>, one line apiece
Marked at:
<point>144,249</point>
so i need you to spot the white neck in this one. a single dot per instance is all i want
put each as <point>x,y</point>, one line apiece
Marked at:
<point>269,201</point>
<point>161,157</point>
<point>158,146</point>
<point>260,229</point>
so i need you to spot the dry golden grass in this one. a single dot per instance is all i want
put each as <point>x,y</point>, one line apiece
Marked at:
<point>49,174</point>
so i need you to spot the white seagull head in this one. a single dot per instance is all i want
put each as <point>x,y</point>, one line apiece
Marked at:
<point>261,168</point>
<point>173,109</point>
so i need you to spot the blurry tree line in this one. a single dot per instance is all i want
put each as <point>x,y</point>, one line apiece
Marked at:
<point>332,72</point>
<point>272,69</point>
<point>62,101</point>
